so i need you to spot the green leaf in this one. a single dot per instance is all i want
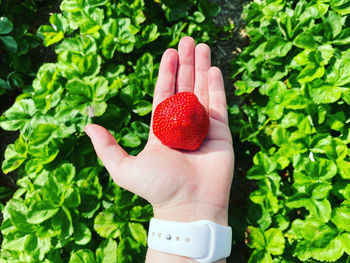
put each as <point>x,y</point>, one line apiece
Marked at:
<point>310,72</point>
<point>332,24</point>
<point>16,211</point>
<point>342,7</point>
<point>320,209</point>
<point>43,133</point>
<point>71,5</point>
<point>107,252</point>
<point>277,47</point>
<point>149,33</point>
<point>78,44</point>
<point>10,43</point>
<point>339,74</point>
<point>274,111</point>
<point>58,22</point>
<point>89,205</point>
<point>90,65</point>
<point>45,99</point>
<point>321,92</point>
<point>15,155</point>
<point>345,241</point>
<point>82,234</point>
<point>91,21</point>
<point>131,139</point>
<point>274,90</point>
<point>327,52</point>
<point>198,17</point>
<point>109,46</point>
<point>317,234</point>
<point>63,225</point>
<point>125,246</point>
<point>72,197</point>
<point>267,163</point>
<point>106,225</point>
<point>298,200</point>
<point>341,217</point>
<point>345,96</point>
<point>141,129</point>
<point>88,182</point>
<point>260,256</point>
<point>79,91</point>
<point>18,115</point>
<point>336,149</point>
<point>292,119</point>
<point>294,99</point>
<point>256,238</point>
<point>305,40</point>
<point>321,190</point>
<point>123,32</point>
<point>50,35</point>
<point>6,25</point>
<point>141,214</point>
<point>96,2</point>
<point>142,107</point>
<point>40,211</point>
<point>138,232</point>
<point>280,136</point>
<point>343,38</point>
<point>100,88</point>
<point>64,174</point>
<point>274,241</point>
<point>330,253</point>
<point>344,169</point>
<point>16,244</point>
<point>82,256</point>
<point>45,153</point>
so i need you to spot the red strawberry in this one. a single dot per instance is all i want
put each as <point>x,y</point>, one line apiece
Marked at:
<point>181,122</point>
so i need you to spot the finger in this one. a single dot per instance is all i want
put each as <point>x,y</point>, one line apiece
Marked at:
<point>108,150</point>
<point>202,65</point>
<point>165,86</point>
<point>185,74</point>
<point>217,96</point>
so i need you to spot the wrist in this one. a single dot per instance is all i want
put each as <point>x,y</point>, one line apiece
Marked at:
<point>191,213</point>
<point>154,256</point>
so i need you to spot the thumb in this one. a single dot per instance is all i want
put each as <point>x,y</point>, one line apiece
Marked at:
<point>108,150</point>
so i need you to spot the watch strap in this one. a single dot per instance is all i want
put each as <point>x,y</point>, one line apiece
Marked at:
<point>204,241</point>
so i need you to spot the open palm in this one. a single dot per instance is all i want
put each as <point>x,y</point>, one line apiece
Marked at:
<point>197,183</point>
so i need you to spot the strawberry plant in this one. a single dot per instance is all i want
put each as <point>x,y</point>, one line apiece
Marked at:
<point>66,208</point>
<point>18,41</point>
<point>294,83</point>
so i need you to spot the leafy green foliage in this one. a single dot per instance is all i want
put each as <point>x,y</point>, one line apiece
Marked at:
<point>67,208</point>
<point>294,78</point>
<point>18,41</point>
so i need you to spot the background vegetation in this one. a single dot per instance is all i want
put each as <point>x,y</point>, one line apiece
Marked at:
<point>289,118</point>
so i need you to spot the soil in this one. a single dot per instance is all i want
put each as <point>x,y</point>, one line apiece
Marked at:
<point>226,50</point>
<point>223,53</point>
<point>6,138</point>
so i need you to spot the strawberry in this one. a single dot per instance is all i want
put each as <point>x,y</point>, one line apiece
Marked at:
<point>181,122</point>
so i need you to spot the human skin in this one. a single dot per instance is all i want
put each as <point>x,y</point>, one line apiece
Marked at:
<point>182,186</point>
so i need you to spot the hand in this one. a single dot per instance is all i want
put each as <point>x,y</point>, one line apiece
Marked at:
<point>181,185</point>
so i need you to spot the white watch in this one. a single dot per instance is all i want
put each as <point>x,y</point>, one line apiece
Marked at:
<point>204,241</point>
